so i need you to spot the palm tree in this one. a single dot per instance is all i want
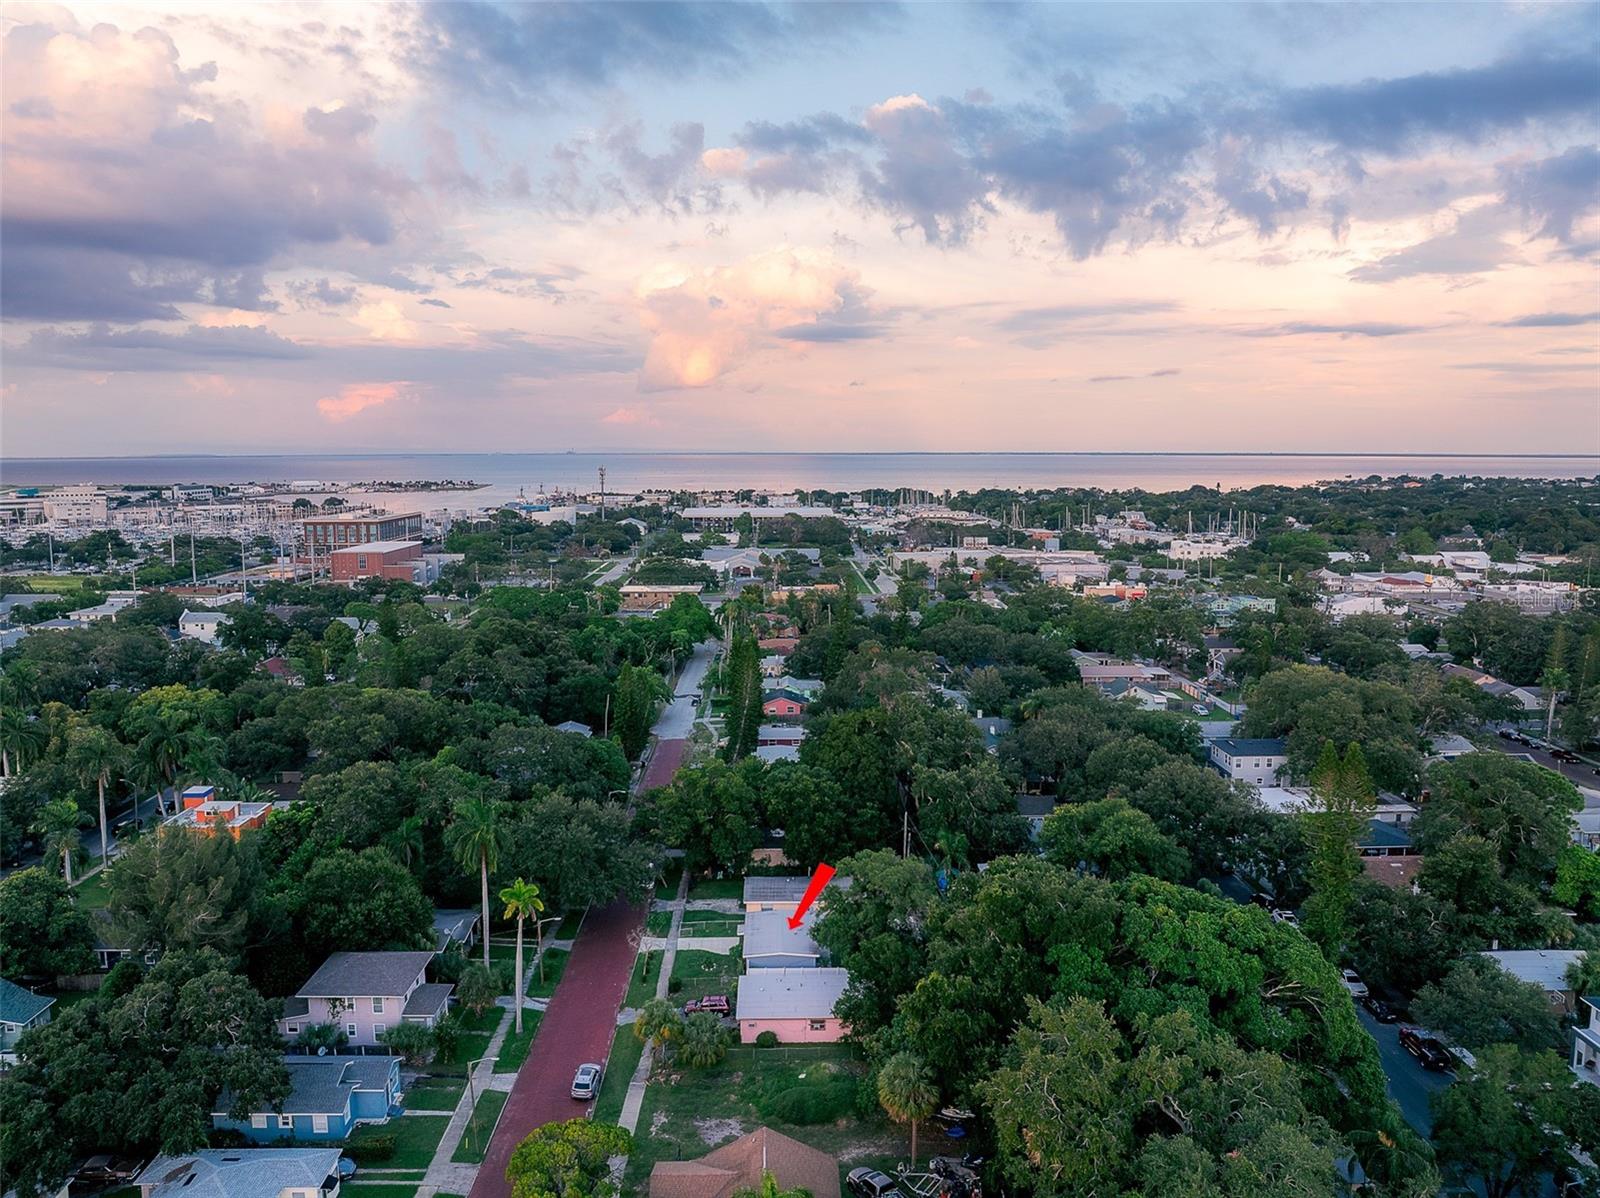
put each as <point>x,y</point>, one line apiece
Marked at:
<point>97,757</point>
<point>473,838</point>
<point>405,842</point>
<point>522,900</point>
<point>21,735</point>
<point>58,825</point>
<point>907,1092</point>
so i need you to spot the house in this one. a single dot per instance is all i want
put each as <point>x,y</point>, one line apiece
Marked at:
<point>328,1096</point>
<point>1258,760</point>
<point>1034,809</point>
<point>1143,697</point>
<point>794,1004</point>
<point>1103,674</point>
<point>1450,746</point>
<point>992,728</point>
<point>243,1173</point>
<point>1545,968</point>
<point>1385,839</point>
<point>781,893</point>
<point>787,735</point>
<point>1397,873</point>
<point>739,1167</point>
<point>202,810</point>
<point>773,665</point>
<point>783,704</point>
<point>366,994</point>
<point>1586,828</point>
<point>770,943</point>
<point>654,597</point>
<point>1586,1042</point>
<point>202,626</point>
<point>452,926</point>
<point>806,688</point>
<point>770,753</point>
<point>279,668</point>
<point>20,1010</point>
<point>362,628</point>
<point>575,727</point>
<point>780,646</point>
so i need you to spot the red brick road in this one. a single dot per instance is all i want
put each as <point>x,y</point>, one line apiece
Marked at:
<point>582,1018</point>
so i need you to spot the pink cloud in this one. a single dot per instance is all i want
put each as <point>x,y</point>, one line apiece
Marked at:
<point>355,398</point>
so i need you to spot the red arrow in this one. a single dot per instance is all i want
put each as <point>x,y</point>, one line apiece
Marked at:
<point>821,878</point>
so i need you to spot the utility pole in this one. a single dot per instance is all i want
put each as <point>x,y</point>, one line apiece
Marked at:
<point>602,493</point>
<point>194,573</point>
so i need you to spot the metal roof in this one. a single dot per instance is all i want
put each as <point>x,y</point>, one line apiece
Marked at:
<point>365,975</point>
<point>786,888</point>
<point>767,934</point>
<point>1544,967</point>
<point>790,993</point>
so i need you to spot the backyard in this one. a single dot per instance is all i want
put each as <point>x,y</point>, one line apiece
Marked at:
<point>810,1092</point>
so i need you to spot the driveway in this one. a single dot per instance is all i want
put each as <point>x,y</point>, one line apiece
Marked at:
<point>577,1027</point>
<point>1410,1085</point>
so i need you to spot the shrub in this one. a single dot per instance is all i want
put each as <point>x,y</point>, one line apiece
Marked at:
<point>370,1149</point>
<point>767,1039</point>
<point>674,985</point>
<point>703,1041</point>
<point>805,1105</point>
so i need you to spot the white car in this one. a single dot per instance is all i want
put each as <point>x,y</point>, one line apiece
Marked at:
<point>1353,983</point>
<point>586,1082</point>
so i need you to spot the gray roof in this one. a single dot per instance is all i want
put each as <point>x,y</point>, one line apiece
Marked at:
<point>453,924</point>
<point>785,889</point>
<point>1035,805</point>
<point>295,1008</point>
<point>1544,967</point>
<point>790,993</point>
<point>574,726</point>
<point>427,999</point>
<point>365,975</point>
<point>19,1005</point>
<point>767,934</point>
<point>1260,747</point>
<point>323,1085</point>
<point>239,1172</point>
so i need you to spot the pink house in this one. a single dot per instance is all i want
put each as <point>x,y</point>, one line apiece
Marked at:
<point>366,994</point>
<point>783,704</point>
<point>794,1004</point>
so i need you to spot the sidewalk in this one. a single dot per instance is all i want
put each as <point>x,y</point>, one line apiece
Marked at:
<point>629,1119</point>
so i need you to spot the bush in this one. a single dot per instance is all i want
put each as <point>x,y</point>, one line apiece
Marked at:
<point>370,1149</point>
<point>674,985</point>
<point>806,1105</point>
<point>767,1039</point>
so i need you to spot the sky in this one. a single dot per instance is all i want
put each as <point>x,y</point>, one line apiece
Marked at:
<point>236,228</point>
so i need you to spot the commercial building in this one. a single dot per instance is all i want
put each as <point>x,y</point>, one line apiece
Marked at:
<point>321,533</point>
<point>376,559</point>
<point>202,810</point>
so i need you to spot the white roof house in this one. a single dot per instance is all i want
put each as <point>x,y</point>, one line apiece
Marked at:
<point>790,993</point>
<point>202,625</point>
<point>243,1173</point>
<point>1545,968</point>
<point>769,941</point>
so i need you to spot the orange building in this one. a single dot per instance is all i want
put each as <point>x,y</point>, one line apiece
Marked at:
<point>201,810</point>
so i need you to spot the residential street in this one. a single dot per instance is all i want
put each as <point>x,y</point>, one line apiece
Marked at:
<point>678,717</point>
<point>1410,1085</point>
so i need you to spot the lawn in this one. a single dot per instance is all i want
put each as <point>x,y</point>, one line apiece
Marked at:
<point>667,888</point>
<point>807,1092</point>
<point>567,929</point>
<point>416,1137</point>
<point>379,1189</point>
<point>626,1049</point>
<point>717,888</point>
<point>555,964</point>
<point>92,892</point>
<point>514,1048</point>
<point>703,973</point>
<point>435,1093</point>
<point>473,1043</point>
<point>475,1139</point>
<point>642,987</point>
<point>710,923</point>
<point>658,923</point>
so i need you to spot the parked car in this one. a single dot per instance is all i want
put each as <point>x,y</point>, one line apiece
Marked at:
<point>1199,708</point>
<point>717,1004</point>
<point>586,1082</point>
<point>106,1170</point>
<point>347,1168</point>
<point>1378,1009</point>
<point>1353,983</point>
<point>1284,915</point>
<point>869,1183</point>
<point>1430,1053</point>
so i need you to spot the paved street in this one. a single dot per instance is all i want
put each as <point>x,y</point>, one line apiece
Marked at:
<point>678,717</point>
<point>578,1027</point>
<point>1410,1085</point>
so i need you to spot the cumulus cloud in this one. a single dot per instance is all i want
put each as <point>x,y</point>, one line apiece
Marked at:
<point>132,188</point>
<point>385,321</point>
<point>355,398</point>
<point>703,322</point>
<point>1555,193</point>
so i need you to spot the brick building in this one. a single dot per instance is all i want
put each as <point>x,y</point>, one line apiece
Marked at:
<point>377,559</point>
<point>335,532</point>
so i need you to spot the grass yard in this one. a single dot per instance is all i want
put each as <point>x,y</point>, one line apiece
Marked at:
<point>807,1092</point>
<point>475,1139</point>
<point>555,964</point>
<point>642,986</point>
<point>514,1048</point>
<point>626,1049</point>
<point>703,973</point>
<point>567,929</point>
<point>667,887</point>
<point>416,1138</point>
<point>435,1093</point>
<point>378,1189</point>
<point>92,893</point>
<point>716,888</point>
<point>710,923</point>
<point>658,923</point>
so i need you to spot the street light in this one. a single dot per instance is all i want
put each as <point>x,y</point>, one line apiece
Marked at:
<point>472,1099</point>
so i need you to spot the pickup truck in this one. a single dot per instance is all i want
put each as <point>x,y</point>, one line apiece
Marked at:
<point>717,1004</point>
<point>1430,1053</point>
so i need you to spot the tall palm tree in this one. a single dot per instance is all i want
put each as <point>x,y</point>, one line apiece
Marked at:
<point>96,757</point>
<point>474,836</point>
<point>58,823</point>
<point>522,901</point>
<point>21,736</point>
<point>907,1092</point>
<point>405,842</point>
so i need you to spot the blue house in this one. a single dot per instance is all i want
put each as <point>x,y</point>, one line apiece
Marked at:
<point>328,1097</point>
<point>20,1011</point>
